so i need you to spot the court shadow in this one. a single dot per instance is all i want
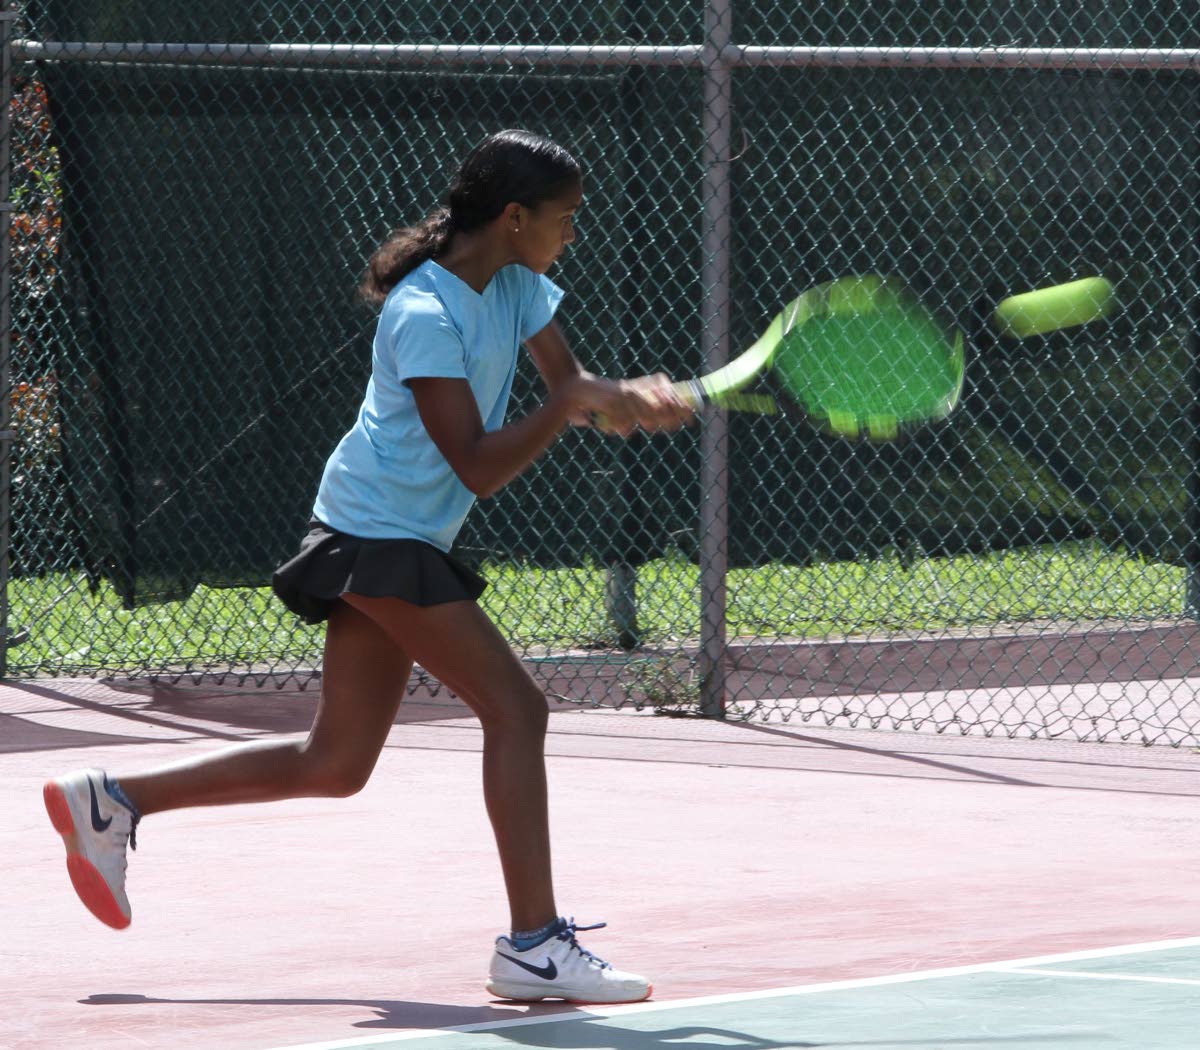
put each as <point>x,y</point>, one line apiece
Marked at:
<point>557,1026</point>
<point>285,706</point>
<point>898,754</point>
<point>604,1034</point>
<point>1113,775</point>
<point>599,1034</point>
<point>21,734</point>
<point>51,717</point>
<point>390,1014</point>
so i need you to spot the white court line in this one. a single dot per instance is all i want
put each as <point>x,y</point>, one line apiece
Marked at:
<point>1099,976</point>
<point>599,1013</point>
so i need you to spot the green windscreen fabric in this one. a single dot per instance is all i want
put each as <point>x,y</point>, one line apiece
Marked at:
<point>209,351</point>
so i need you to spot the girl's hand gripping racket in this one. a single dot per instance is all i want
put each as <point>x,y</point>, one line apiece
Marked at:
<point>861,356</point>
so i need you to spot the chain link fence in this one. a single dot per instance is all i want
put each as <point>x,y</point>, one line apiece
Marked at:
<point>196,187</point>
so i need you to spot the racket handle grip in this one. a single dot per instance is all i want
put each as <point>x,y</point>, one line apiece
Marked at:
<point>691,393</point>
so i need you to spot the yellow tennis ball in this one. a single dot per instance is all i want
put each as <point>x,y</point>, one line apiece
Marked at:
<point>1050,309</point>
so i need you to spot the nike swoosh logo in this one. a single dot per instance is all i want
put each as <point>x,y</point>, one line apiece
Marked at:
<point>98,822</point>
<point>549,971</point>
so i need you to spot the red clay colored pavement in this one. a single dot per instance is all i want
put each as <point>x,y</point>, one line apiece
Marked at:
<point>725,858</point>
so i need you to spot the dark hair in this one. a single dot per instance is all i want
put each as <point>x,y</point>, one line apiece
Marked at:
<point>507,166</point>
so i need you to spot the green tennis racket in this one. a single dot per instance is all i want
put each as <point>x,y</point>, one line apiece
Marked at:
<point>863,357</point>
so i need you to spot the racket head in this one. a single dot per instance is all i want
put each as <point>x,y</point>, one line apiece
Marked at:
<point>859,356</point>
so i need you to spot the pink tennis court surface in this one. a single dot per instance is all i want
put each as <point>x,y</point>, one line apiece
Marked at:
<point>726,858</point>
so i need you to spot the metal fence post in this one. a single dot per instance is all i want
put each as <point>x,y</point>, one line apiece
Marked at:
<point>714,317</point>
<point>7,434</point>
<point>1191,599</point>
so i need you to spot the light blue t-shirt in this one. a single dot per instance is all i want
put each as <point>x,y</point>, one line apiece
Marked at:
<point>387,479</point>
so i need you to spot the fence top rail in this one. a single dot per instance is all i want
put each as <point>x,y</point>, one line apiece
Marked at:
<point>360,56</point>
<point>1079,58</point>
<point>377,56</point>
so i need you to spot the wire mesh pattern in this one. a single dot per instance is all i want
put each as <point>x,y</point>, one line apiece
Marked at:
<point>190,220</point>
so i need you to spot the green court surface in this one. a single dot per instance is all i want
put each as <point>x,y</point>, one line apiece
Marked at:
<point>1140,997</point>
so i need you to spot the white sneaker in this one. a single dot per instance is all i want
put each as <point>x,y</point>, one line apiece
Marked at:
<point>561,969</point>
<point>96,829</point>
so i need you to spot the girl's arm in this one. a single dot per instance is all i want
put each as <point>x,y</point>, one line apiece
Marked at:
<point>553,356</point>
<point>660,409</point>
<point>487,461</point>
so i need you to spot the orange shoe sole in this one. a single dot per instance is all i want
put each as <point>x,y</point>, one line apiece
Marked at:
<point>85,877</point>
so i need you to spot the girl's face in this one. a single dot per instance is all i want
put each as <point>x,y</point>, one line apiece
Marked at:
<point>541,234</point>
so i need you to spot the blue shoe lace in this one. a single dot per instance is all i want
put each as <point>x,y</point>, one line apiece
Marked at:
<point>567,933</point>
<point>117,795</point>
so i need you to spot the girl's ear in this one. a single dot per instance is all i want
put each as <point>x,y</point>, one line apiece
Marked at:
<point>514,216</point>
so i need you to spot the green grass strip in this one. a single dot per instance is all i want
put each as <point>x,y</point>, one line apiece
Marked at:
<point>72,631</point>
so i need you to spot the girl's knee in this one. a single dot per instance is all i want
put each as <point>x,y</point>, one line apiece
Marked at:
<point>342,782</point>
<point>526,713</point>
<point>333,775</point>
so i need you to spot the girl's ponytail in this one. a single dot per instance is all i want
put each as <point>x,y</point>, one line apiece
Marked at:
<point>511,165</point>
<point>403,251</point>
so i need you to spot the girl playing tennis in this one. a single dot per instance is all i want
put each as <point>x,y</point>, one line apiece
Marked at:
<point>459,293</point>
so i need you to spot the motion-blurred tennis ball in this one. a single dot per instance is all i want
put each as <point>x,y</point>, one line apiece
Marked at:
<point>1049,309</point>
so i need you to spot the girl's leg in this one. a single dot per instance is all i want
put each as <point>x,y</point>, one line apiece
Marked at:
<point>459,645</point>
<point>364,677</point>
<point>362,684</point>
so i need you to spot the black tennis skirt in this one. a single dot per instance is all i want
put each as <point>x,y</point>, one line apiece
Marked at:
<point>331,563</point>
